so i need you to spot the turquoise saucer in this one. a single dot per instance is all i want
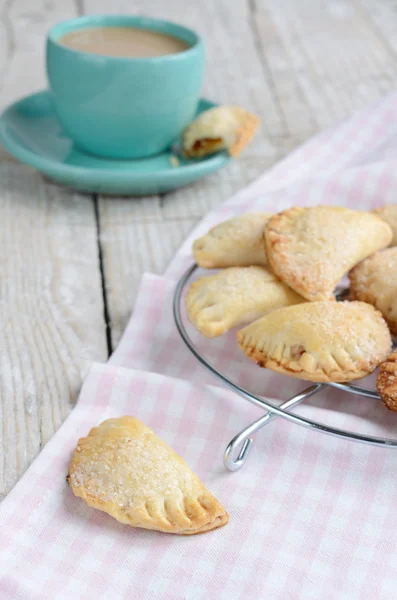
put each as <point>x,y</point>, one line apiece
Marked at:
<point>30,131</point>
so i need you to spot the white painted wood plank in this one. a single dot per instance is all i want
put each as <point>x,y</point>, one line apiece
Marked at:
<point>331,52</point>
<point>382,19</point>
<point>51,311</point>
<point>23,30</point>
<point>51,308</point>
<point>196,200</point>
<point>130,250</point>
<point>119,211</point>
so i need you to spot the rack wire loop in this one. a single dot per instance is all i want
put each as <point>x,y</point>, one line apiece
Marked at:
<point>243,437</point>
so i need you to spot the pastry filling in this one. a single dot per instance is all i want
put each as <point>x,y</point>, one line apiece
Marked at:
<point>296,351</point>
<point>206,145</point>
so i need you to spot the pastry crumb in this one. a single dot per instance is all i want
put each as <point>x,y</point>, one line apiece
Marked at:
<point>174,161</point>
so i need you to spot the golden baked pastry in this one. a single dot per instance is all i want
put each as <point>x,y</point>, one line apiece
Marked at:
<point>375,281</point>
<point>319,341</point>
<point>125,470</point>
<point>235,296</point>
<point>311,249</point>
<point>386,381</point>
<point>228,128</point>
<point>388,213</point>
<point>237,242</point>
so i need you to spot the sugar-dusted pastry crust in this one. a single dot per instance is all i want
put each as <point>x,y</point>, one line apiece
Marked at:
<point>388,213</point>
<point>386,381</point>
<point>375,281</point>
<point>319,341</point>
<point>228,128</point>
<point>124,469</point>
<point>237,242</point>
<point>311,249</point>
<point>235,296</point>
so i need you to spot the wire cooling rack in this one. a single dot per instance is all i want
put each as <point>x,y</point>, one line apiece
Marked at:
<point>237,450</point>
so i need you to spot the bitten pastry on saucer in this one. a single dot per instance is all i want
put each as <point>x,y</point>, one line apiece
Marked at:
<point>228,128</point>
<point>124,469</point>
<point>237,242</point>
<point>319,341</point>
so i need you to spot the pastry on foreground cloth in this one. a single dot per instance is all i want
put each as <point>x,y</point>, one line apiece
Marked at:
<point>228,128</point>
<point>389,214</point>
<point>124,469</point>
<point>375,281</point>
<point>237,242</point>
<point>386,382</point>
<point>311,249</point>
<point>235,296</point>
<point>319,341</point>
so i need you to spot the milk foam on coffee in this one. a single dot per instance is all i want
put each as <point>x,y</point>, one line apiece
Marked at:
<point>123,42</point>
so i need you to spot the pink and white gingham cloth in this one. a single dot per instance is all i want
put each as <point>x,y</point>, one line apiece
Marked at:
<point>311,517</point>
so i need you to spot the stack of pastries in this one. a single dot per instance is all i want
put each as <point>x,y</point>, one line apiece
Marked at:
<point>277,275</point>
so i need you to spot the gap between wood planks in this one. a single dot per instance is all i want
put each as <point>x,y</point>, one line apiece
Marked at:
<point>103,282</point>
<point>268,75</point>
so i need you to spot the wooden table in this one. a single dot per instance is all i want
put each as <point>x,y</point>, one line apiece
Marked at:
<point>70,264</point>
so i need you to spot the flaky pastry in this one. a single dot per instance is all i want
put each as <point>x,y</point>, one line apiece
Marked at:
<point>375,281</point>
<point>235,296</point>
<point>228,128</point>
<point>386,382</point>
<point>311,249</point>
<point>237,242</point>
<point>319,341</point>
<point>388,213</point>
<point>124,469</point>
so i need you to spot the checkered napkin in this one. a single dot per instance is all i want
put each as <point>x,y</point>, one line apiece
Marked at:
<point>311,517</point>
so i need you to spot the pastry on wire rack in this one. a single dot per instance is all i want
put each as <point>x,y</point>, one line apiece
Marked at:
<point>228,128</point>
<point>375,281</point>
<point>124,469</point>
<point>237,242</point>
<point>235,296</point>
<point>389,214</point>
<point>319,341</point>
<point>311,249</point>
<point>386,382</point>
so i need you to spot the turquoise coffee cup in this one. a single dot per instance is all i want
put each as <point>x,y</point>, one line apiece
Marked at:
<point>124,107</point>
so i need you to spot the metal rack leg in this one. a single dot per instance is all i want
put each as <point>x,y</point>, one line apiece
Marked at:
<point>243,438</point>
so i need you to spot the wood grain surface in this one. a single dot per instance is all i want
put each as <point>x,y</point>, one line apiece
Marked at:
<point>70,264</point>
